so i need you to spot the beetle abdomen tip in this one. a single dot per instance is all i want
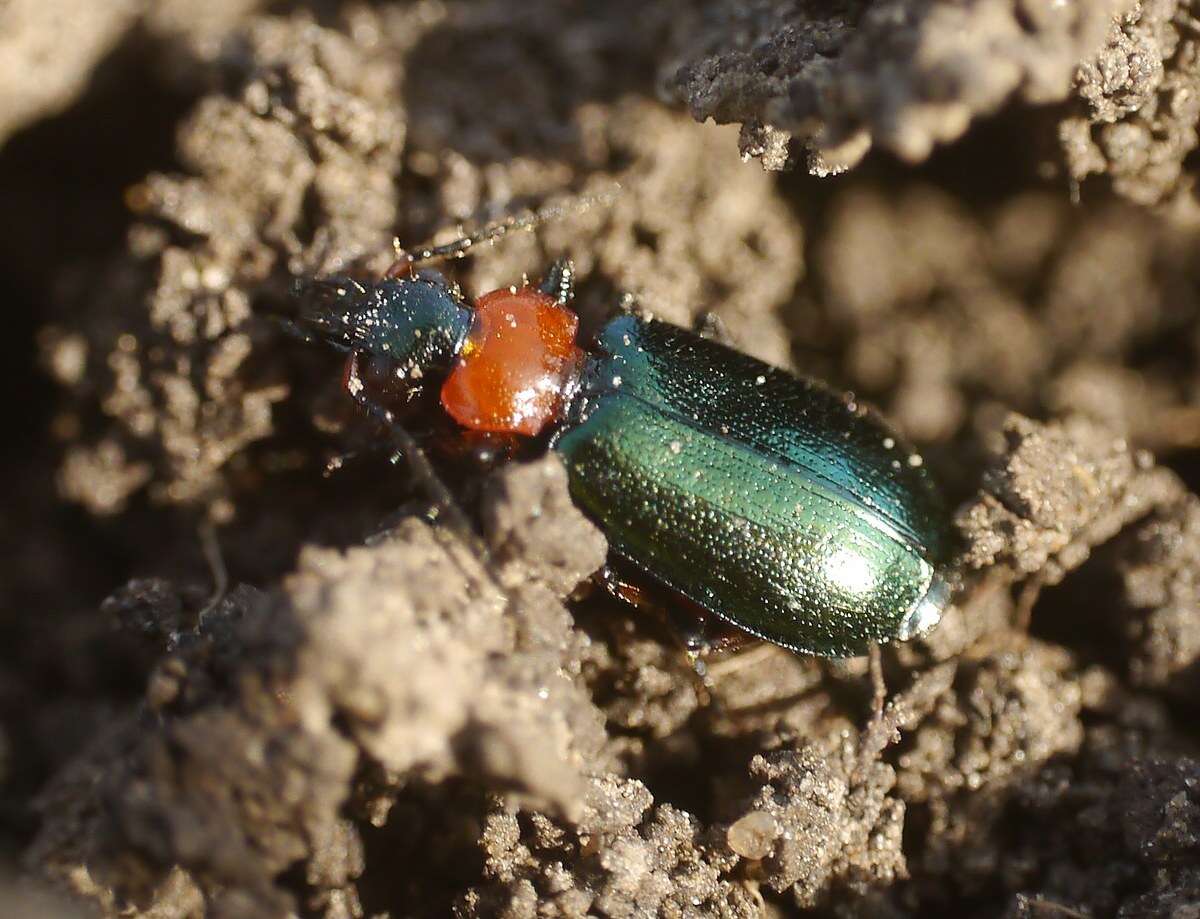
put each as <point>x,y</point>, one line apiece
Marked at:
<point>926,612</point>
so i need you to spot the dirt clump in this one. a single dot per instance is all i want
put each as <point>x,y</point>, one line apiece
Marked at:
<point>250,672</point>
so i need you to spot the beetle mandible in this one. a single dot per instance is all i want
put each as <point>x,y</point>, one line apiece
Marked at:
<point>771,501</point>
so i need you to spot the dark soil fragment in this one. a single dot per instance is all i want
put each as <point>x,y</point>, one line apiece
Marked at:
<point>844,78</point>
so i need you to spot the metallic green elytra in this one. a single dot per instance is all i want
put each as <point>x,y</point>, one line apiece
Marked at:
<point>771,501</point>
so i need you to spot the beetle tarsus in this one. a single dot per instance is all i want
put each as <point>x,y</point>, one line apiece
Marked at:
<point>701,682</point>
<point>878,686</point>
<point>883,728</point>
<point>211,547</point>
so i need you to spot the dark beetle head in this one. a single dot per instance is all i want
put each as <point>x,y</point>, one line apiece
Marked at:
<point>417,322</point>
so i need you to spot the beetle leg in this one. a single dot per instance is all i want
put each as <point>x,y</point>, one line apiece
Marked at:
<point>708,636</point>
<point>704,632</point>
<point>386,528</point>
<point>701,635</point>
<point>402,263</point>
<point>699,631</point>
<point>755,654</point>
<point>621,589</point>
<point>705,637</point>
<point>211,547</point>
<point>711,326</point>
<point>886,720</point>
<point>338,462</point>
<point>702,685</point>
<point>878,686</point>
<point>483,451</point>
<point>559,281</point>
<point>418,463</point>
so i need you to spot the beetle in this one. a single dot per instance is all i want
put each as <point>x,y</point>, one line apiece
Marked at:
<point>786,509</point>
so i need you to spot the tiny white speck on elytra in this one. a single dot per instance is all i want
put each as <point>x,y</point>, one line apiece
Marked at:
<point>341,291</point>
<point>616,381</point>
<point>915,460</point>
<point>697,474</point>
<point>626,340</point>
<point>386,346</point>
<point>888,443</point>
<point>724,429</point>
<point>895,464</point>
<point>416,333</point>
<point>759,380</point>
<point>676,447</point>
<point>415,373</point>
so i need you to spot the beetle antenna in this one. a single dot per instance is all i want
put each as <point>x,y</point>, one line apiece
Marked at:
<point>528,221</point>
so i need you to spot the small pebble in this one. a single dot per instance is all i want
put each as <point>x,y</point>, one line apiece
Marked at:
<point>753,835</point>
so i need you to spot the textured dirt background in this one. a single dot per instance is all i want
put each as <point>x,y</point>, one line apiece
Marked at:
<point>371,723</point>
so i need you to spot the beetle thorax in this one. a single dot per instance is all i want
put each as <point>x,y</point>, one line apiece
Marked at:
<point>518,361</point>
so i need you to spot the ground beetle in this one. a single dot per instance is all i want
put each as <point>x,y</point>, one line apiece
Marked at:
<point>776,504</point>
